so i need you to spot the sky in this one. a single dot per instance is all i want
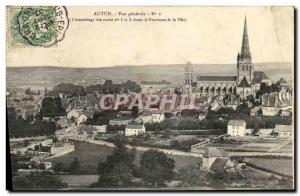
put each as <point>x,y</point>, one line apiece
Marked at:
<point>209,35</point>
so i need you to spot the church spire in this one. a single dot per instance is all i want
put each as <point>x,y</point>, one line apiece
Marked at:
<point>245,51</point>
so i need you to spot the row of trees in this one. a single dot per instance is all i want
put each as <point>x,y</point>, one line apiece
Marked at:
<point>108,87</point>
<point>19,127</point>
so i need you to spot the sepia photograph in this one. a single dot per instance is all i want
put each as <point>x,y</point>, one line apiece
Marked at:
<point>150,98</point>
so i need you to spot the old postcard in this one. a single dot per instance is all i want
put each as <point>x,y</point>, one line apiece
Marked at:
<point>150,98</point>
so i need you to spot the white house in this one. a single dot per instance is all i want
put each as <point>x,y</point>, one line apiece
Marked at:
<point>236,128</point>
<point>134,129</point>
<point>158,117</point>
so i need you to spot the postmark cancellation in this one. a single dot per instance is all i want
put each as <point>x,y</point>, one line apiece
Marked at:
<point>36,26</point>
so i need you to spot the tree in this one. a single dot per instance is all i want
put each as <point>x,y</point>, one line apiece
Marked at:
<point>74,167</point>
<point>52,107</point>
<point>191,176</point>
<point>59,167</point>
<point>118,169</point>
<point>166,133</point>
<point>135,112</point>
<point>156,168</point>
<point>38,181</point>
<point>28,91</point>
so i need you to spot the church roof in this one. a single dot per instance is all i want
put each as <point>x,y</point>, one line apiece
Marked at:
<point>259,76</point>
<point>244,83</point>
<point>216,78</point>
<point>214,152</point>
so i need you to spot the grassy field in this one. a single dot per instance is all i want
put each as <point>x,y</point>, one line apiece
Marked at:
<point>90,154</point>
<point>79,180</point>
<point>280,166</point>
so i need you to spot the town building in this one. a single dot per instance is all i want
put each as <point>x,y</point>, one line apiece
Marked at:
<point>120,121</point>
<point>236,128</point>
<point>153,87</point>
<point>215,159</point>
<point>152,116</point>
<point>276,103</point>
<point>132,129</point>
<point>283,83</point>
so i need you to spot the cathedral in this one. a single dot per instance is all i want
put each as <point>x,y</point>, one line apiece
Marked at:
<point>245,82</point>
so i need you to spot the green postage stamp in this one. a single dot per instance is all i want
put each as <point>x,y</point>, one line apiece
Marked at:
<point>42,26</point>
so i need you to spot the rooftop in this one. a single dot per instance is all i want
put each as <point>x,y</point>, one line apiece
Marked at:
<point>259,76</point>
<point>237,122</point>
<point>134,126</point>
<point>219,164</point>
<point>216,78</point>
<point>282,80</point>
<point>214,152</point>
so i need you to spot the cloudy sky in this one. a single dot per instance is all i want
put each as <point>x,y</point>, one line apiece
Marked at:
<point>209,35</point>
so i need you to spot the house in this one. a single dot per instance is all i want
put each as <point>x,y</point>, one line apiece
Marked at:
<point>153,116</point>
<point>134,129</point>
<point>101,128</point>
<point>82,119</point>
<point>158,117</point>
<point>285,112</point>
<point>119,121</point>
<point>151,87</point>
<point>265,132</point>
<point>282,83</point>
<point>147,118</point>
<point>215,159</point>
<point>236,128</point>
<point>274,103</point>
<point>233,101</point>
<point>284,131</point>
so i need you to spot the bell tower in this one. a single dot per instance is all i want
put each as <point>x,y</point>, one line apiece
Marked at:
<point>245,67</point>
<point>188,74</point>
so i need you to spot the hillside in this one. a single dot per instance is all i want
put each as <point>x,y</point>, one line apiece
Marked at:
<point>44,76</point>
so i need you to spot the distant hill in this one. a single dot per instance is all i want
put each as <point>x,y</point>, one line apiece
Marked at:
<point>44,76</point>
